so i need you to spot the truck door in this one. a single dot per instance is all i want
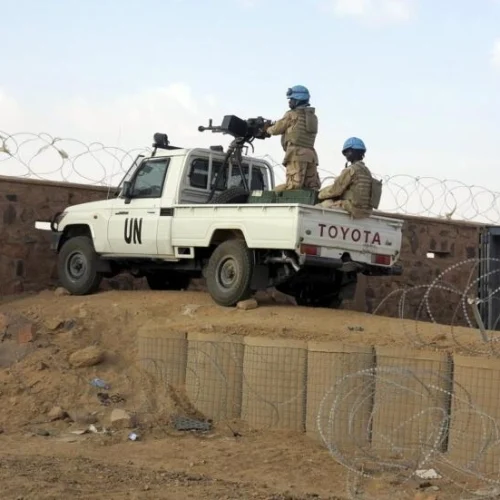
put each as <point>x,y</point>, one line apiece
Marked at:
<point>133,223</point>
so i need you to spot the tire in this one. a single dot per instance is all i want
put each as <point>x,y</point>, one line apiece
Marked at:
<point>168,281</point>
<point>231,257</point>
<point>232,195</point>
<point>75,254</point>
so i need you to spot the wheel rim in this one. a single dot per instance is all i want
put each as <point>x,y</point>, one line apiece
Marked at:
<point>227,273</point>
<point>76,266</point>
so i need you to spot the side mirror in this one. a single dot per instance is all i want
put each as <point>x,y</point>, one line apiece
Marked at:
<point>126,190</point>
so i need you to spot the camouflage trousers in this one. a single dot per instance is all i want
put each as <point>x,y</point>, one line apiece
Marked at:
<point>355,212</point>
<point>300,175</point>
<point>331,204</point>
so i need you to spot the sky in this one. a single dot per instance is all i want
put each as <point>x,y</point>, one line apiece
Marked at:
<point>417,80</point>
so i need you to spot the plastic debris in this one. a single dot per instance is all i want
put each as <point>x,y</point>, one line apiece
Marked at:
<point>190,424</point>
<point>97,382</point>
<point>133,436</point>
<point>356,328</point>
<point>80,432</point>
<point>427,474</point>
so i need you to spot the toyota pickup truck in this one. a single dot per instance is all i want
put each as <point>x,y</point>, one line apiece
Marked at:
<point>162,224</point>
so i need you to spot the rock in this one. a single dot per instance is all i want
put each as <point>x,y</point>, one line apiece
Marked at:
<point>61,292</point>
<point>120,419</point>
<point>247,305</point>
<point>69,324</point>
<point>25,333</point>
<point>281,298</point>
<point>53,323</point>
<point>89,356</point>
<point>42,432</point>
<point>83,417</point>
<point>42,366</point>
<point>57,413</point>
<point>190,309</point>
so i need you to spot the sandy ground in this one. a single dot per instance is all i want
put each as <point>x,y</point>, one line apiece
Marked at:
<point>43,459</point>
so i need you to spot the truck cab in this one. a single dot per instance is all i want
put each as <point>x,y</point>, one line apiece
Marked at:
<point>139,224</point>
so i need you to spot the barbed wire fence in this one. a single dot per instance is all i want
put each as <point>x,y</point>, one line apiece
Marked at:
<point>45,157</point>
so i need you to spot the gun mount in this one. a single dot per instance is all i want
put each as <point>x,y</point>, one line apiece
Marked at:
<point>244,132</point>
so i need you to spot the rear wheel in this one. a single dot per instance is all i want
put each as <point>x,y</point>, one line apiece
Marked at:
<point>168,281</point>
<point>229,273</point>
<point>77,266</point>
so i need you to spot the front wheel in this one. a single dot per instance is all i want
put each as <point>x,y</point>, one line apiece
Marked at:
<point>229,273</point>
<point>77,266</point>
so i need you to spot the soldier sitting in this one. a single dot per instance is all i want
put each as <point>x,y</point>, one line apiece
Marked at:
<point>354,190</point>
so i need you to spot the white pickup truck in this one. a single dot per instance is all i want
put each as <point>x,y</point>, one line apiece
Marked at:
<point>160,226</point>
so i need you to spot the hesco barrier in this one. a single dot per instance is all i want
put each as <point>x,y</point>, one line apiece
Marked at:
<point>411,397</point>
<point>214,374</point>
<point>475,424</point>
<point>378,402</point>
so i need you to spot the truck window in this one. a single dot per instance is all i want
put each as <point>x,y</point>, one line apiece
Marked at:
<point>149,179</point>
<point>199,175</point>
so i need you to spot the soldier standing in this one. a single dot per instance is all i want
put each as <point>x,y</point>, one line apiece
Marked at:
<point>298,129</point>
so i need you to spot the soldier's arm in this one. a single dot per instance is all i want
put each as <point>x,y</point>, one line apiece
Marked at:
<point>336,190</point>
<point>281,125</point>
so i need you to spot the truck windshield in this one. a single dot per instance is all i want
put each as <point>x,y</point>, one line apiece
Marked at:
<point>130,171</point>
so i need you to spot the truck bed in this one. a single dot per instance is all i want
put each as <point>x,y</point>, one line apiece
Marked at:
<point>287,226</point>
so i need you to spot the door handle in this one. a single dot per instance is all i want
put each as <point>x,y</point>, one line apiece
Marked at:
<point>151,212</point>
<point>121,213</point>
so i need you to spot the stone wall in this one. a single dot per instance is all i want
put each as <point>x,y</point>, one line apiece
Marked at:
<point>451,242</point>
<point>27,263</point>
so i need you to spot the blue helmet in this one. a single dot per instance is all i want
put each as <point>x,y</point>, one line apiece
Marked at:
<point>298,92</point>
<point>354,143</point>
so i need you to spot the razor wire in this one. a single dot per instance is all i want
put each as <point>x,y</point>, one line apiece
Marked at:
<point>455,306</point>
<point>45,157</point>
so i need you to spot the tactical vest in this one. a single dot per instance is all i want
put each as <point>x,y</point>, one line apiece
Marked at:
<point>359,193</point>
<point>304,132</point>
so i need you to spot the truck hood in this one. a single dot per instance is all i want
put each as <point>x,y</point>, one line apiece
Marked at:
<point>91,206</point>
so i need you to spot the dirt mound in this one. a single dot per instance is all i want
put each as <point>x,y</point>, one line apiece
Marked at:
<point>46,394</point>
<point>41,374</point>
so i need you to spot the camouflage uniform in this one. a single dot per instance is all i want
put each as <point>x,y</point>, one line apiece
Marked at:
<point>298,129</point>
<point>351,191</point>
